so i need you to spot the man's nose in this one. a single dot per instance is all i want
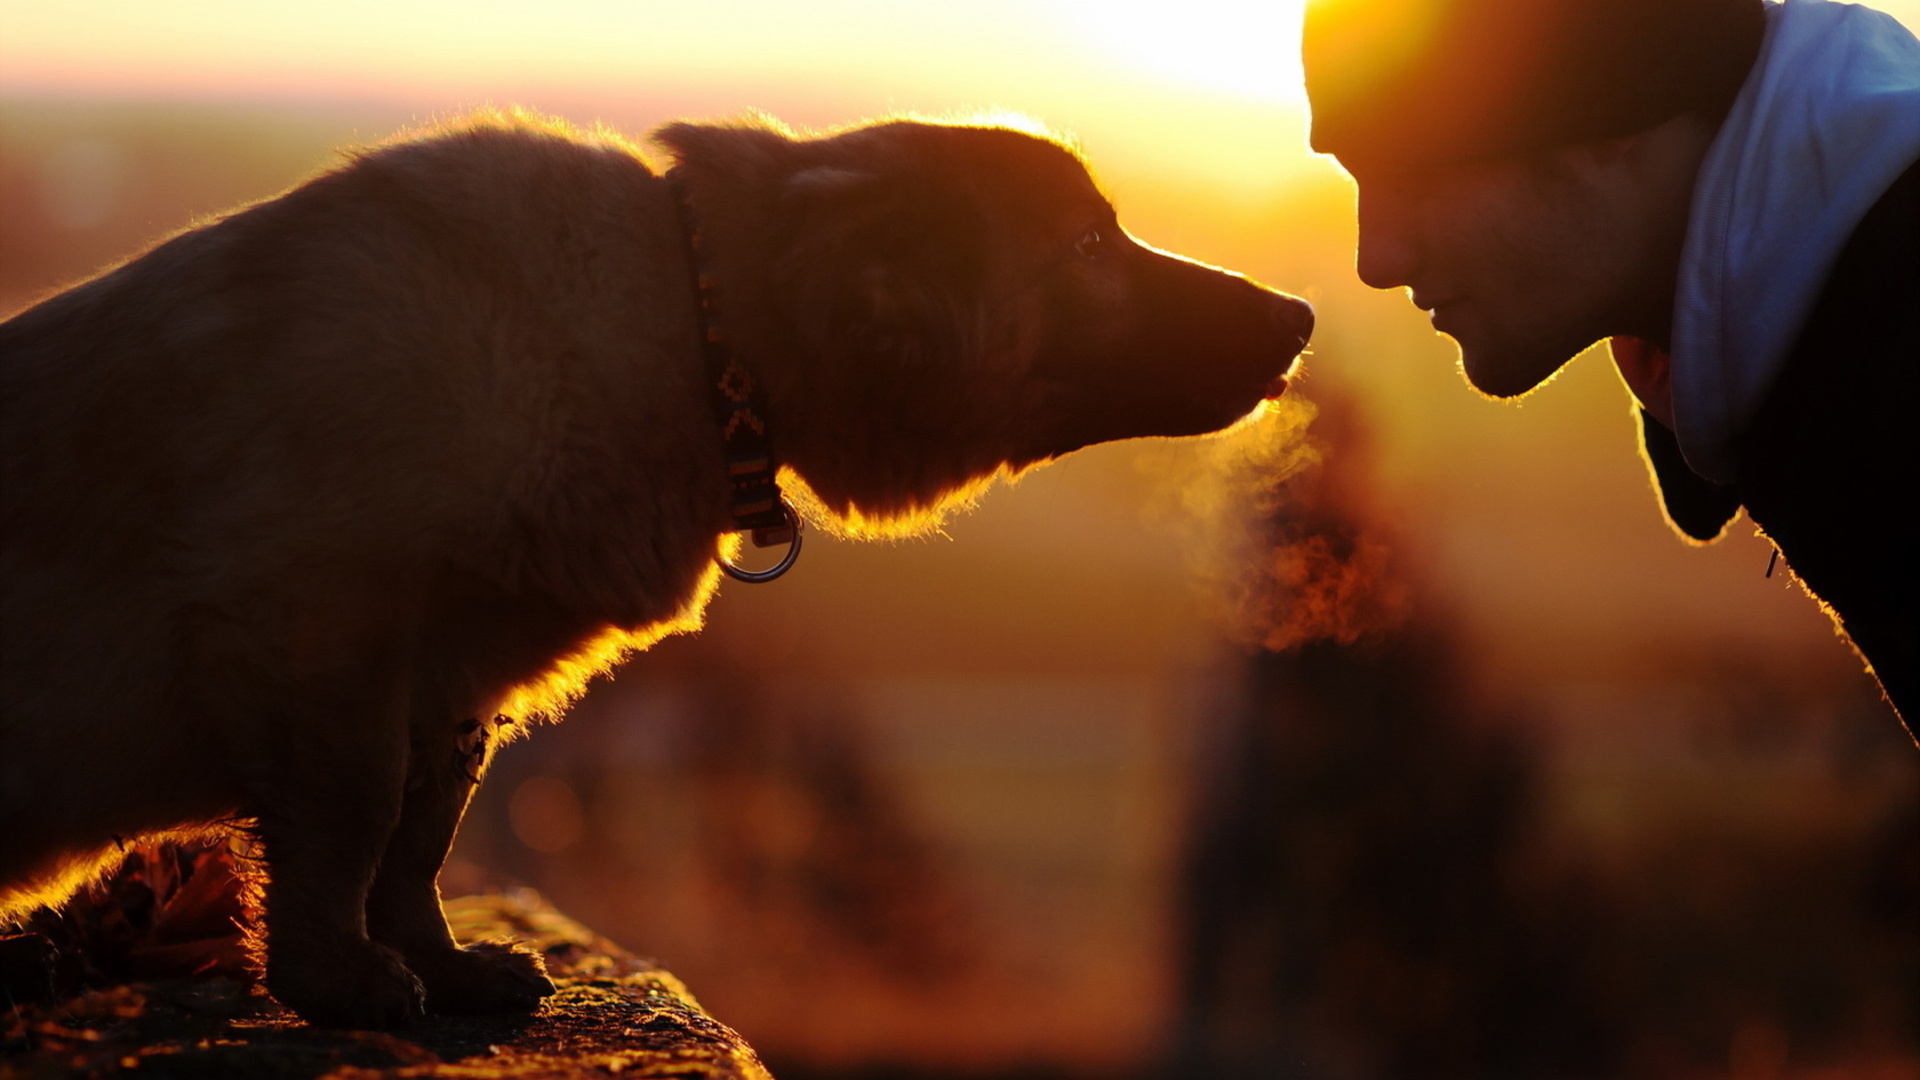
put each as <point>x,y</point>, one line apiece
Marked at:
<point>1386,255</point>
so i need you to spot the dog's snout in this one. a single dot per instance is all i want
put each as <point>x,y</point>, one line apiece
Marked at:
<point>1294,318</point>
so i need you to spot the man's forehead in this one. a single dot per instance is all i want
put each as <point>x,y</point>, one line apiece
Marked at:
<point>1435,80</point>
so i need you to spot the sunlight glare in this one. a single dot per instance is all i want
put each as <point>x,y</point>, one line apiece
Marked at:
<point>1249,48</point>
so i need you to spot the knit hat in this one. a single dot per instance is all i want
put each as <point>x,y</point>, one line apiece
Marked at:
<point>1427,80</point>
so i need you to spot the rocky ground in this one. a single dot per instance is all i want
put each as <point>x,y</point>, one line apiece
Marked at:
<point>615,1015</point>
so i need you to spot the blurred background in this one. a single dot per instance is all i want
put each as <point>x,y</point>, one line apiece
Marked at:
<point>1394,736</point>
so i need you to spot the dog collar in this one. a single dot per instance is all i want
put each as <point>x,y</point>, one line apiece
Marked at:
<point>754,498</point>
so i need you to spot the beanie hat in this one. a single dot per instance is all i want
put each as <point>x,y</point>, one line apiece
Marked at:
<point>1428,80</point>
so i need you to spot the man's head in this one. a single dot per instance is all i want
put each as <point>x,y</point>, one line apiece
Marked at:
<point>1525,166</point>
<point>1527,259</point>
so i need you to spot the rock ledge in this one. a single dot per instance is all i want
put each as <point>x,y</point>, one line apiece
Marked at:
<point>615,1015</point>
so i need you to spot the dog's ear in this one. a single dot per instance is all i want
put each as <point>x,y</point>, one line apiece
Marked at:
<point>882,267</point>
<point>752,148</point>
<point>1696,507</point>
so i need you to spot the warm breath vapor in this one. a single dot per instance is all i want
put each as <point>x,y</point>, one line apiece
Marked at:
<point>1279,551</point>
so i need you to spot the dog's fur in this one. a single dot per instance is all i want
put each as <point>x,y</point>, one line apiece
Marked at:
<point>292,498</point>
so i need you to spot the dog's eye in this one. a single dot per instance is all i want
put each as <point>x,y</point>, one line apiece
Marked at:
<point>1091,244</point>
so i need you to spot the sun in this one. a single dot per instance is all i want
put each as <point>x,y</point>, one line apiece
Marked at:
<point>1247,48</point>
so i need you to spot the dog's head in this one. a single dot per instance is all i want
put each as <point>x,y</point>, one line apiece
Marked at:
<point>933,305</point>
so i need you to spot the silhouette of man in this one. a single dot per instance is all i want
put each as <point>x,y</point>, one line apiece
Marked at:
<point>1727,189</point>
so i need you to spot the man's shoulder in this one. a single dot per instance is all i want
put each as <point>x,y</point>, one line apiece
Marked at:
<point>1883,252</point>
<point>1847,392</point>
<point>1828,467</point>
<point>1847,399</point>
<point>1864,330</point>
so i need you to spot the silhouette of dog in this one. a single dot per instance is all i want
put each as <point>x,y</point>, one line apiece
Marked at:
<point>297,500</point>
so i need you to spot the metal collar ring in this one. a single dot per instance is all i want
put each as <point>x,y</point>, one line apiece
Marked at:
<point>786,561</point>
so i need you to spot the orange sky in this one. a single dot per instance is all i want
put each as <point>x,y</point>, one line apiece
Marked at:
<point>1238,47</point>
<point>1153,86</point>
<point>454,44</point>
<point>1178,82</point>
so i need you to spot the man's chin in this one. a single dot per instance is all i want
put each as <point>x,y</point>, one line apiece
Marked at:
<point>1504,375</point>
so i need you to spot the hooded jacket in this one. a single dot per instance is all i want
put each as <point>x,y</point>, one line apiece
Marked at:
<point>1796,359</point>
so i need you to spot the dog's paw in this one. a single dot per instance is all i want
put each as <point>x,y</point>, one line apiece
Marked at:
<point>490,977</point>
<point>367,986</point>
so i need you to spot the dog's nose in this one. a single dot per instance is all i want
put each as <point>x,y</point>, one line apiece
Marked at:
<point>1294,317</point>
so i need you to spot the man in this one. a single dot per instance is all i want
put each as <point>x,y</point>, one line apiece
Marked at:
<point>1727,189</point>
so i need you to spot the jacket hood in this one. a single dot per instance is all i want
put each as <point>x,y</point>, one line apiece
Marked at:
<point>1826,121</point>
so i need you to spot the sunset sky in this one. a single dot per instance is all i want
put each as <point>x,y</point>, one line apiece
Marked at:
<point>867,54</point>
<point>1211,84</point>
<point>370,45</point>
<point>1209,87</point>
<point>1231,47</point>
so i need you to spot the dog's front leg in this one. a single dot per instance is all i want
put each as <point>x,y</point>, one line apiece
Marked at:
<point>403,910</point>
<point>326,807</point>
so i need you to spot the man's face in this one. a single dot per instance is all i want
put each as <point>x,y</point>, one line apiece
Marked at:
<point>1518,259</point>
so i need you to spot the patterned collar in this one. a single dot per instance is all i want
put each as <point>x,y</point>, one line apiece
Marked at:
<point>754,497</point>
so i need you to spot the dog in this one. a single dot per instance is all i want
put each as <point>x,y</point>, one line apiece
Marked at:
<point>306,508</point>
